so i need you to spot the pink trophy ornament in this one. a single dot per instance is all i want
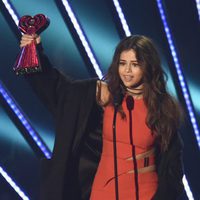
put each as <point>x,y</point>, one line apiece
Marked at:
<point>28,60</point>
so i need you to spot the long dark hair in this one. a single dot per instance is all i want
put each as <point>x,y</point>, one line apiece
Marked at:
<point>163,115</point>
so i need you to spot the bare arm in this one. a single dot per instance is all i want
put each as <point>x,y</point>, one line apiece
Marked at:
<point>102,93</point>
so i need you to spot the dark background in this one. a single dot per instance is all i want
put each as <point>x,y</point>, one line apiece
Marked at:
<point>101,26</point>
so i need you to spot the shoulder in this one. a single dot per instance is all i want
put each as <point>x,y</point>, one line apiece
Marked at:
<point>102,93</point>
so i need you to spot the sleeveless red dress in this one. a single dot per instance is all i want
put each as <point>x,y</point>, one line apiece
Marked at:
<point>103,187</point>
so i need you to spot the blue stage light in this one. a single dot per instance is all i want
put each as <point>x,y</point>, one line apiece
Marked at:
<point>82,37</point>
<point>13,184</point>
<point>179,73</point>
<point>183,87</point>
<point>11,11</point>
<point>24,121</point>
<point>187,189</point>
<point>198,7</point>
<point>122,18</point>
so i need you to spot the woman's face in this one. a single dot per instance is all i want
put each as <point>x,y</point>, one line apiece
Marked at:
<point>130,71</point>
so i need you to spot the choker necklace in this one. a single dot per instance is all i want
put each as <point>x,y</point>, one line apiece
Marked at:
<point>137,88</point>
<point>126,90</point>
<point>134,93</point>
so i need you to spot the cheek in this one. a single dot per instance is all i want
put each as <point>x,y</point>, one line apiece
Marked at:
<point>119,71</point>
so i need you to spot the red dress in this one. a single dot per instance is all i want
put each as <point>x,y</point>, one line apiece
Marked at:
<point>103,187</point>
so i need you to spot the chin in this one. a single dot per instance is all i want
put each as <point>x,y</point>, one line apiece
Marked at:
<point>129,85</point>
<point>132,85</point>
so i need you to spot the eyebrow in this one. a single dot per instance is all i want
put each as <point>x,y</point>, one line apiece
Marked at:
<point>131,60</point>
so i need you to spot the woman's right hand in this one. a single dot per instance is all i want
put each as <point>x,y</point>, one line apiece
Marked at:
<point>27,39</point>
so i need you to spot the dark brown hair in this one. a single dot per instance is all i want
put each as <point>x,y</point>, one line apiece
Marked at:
<point>163,115</point>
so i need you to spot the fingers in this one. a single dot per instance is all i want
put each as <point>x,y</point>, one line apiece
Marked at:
<point>27,39</point>
<point>37,39</point>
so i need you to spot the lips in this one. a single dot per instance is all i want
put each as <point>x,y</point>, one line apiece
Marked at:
<point>127,78</point>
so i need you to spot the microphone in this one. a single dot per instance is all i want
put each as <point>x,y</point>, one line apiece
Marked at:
<point>130,107</point>
<point>117,101</point>
<point>130,103</point>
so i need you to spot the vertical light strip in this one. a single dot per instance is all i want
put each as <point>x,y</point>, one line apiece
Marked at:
<point>180,73</point>
<point>13,184</point>
<point>7,97</point>
<point>198,7</point>
<point>11,11</point>
<point>82,37</point>
<point>187,189</point>
<point>183,87</point>
<point>122,18</point>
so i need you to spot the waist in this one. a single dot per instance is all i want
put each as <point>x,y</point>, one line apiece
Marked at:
<point>124,150</point>
<point>144,157</point>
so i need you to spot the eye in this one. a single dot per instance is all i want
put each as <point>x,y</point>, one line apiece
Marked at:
<point>122,63</point>
<point>135,64</point>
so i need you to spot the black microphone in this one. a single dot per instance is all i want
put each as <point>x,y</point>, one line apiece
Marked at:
<point>117,101</point>
<point>130,102</point>
<point>130,107</point>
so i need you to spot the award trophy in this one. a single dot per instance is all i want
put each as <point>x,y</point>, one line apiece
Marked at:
<point>28,59</point>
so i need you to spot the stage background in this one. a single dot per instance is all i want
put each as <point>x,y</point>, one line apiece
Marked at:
<point>100,23</point>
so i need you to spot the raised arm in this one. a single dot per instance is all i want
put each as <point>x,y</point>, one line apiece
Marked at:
<point>50,85</point>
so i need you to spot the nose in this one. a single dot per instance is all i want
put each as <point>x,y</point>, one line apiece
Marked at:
<point>128,67</point>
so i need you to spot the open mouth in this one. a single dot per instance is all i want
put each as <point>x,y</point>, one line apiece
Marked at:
<point>128,78</point>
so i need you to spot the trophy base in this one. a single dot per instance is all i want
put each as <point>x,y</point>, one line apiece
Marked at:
<point>27,70</point>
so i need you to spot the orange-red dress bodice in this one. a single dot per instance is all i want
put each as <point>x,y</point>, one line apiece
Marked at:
<point>104,182</point>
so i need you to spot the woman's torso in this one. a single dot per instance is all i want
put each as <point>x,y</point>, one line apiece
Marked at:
<point>143,140</point>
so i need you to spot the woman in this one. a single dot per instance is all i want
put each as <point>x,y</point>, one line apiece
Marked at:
<point>144,162</point>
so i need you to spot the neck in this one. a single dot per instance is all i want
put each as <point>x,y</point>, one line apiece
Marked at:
<point>136,92</point>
